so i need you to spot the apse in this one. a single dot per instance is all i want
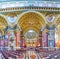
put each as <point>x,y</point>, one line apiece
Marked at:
<point>31,35</point>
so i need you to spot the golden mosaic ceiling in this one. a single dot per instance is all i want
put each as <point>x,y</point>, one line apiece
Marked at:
<point>58,22</point>
<point>30,21</point>
<point>3,23</point>
<point>10,14</point>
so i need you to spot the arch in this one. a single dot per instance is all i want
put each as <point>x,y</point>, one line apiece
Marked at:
<point>3,22</point>
<point>30,28</point>
<point>32,17</point>
<point>57,21</point>
<point>4,17</point>
<point>29,12</point>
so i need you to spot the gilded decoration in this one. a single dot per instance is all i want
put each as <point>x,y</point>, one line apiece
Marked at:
<point>31,20</point>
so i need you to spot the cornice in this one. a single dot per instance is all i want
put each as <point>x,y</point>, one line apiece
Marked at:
<point>47,9</point>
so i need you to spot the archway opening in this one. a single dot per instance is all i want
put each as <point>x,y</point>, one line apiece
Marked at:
<point>31,23</point>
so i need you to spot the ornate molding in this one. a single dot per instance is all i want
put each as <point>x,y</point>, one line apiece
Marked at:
<point>30,8</point>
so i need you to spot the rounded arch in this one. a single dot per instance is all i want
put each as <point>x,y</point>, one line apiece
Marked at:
<point>57,20</point>
<point>4,17</point>
<point>30,28</point>
<point>3,23</point>
<point>31,18</point>
<point>33,12</point>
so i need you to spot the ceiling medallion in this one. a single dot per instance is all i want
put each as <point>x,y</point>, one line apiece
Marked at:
<point>50,18</point>
<point>12,20</point>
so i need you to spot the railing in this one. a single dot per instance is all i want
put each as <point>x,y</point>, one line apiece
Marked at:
<point>9,4</point>
<point>32,48</point>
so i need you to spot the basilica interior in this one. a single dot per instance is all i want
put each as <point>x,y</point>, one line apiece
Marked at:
<point>29,29</point>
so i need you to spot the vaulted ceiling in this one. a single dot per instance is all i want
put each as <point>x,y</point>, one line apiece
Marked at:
<point>3,24</point>
<point>32,21</point>
<point>29,21</point>
<point>58,22</point>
